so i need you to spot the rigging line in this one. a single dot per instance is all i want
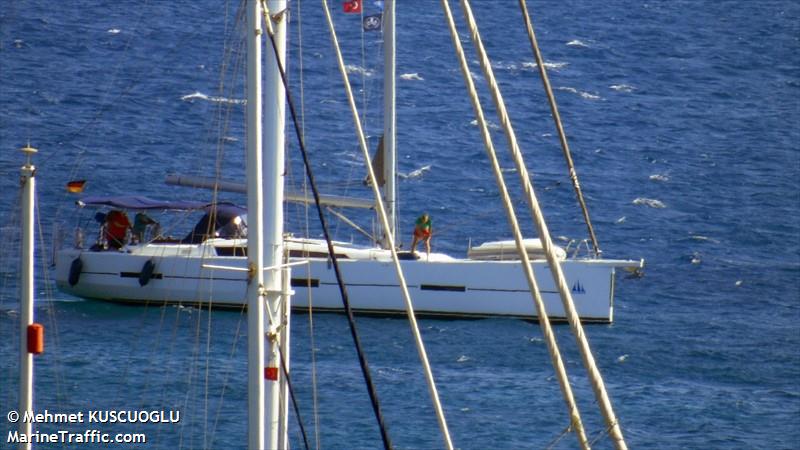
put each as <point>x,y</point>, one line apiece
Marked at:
<point>207,374</point>
<point>306,207</point>
<point>48,289</point>
<point>312,345</point>
<point>154,351</point>
<point>544,320</point>
<point>233,52</point>
<point>12,228</point>
<point>355,226</point>
<point>10,248</point>
<point>236,336</point>
<point>602,433</point>
<point>201,296</point>
<point>134,83</point>
<point>126,48</point>
<point>373,394</point>
<point>72,176</point>
<point>76,167</point>
<point>363,71</point>
<point>294,398</point>
<point>283,311</point>
<point>557,119</point>
<point>146,377</point>
<point>223,118</point>
<point>390,242</point>
<point>130,355</point>
<point>544,235</point>
<point>366,95</point>
<point>192,360</point>
<point>170,351</point>
<point>192,373</point>
<point>558,438</point>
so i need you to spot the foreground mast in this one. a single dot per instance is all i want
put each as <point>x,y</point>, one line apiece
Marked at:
<point>26,325</point>
<point>265,233</point>
<point>272,216</point>
<point>255,257</point>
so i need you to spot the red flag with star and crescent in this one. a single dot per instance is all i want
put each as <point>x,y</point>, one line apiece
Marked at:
<point>352,6</point>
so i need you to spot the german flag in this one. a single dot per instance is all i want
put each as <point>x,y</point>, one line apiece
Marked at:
<point>75,187</point>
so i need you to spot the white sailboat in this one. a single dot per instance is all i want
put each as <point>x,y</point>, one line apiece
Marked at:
<point>262,277</point>
<point>488,282</point>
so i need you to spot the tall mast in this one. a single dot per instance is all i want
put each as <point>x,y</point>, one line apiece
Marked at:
<point>265,230</point>
<point>255,252</point>
<point>26,296</point>
<point>389,120</point>
<point>272,215</point>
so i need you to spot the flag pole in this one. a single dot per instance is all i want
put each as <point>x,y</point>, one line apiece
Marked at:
<point>28,179</point>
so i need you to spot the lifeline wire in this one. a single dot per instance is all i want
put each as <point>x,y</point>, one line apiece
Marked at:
<point>373,394</point>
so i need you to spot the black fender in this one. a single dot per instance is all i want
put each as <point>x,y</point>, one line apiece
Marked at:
<point>147,272</point>
<point>75,271</point>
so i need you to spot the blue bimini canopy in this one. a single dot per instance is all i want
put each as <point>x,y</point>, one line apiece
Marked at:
<point>220,219</point>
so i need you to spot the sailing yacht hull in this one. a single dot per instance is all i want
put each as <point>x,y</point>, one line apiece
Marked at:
<point>439,286</point>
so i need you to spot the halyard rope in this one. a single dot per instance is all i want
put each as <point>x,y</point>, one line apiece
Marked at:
<point>547,243</point>
<point>544,320</point>
<point>334,261</point>
<point>389,237</point>
<point>557,119</point>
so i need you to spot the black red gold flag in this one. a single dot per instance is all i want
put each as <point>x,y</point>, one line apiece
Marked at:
<point>75,187</point>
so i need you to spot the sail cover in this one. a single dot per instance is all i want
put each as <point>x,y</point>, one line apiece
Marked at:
<point>144,203</point>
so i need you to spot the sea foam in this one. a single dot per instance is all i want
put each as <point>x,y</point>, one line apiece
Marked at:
<point>547,65</point>
<point>411,76</point>
<point>651,202</point>
<point>415,173</point>
<point>622,88</point>
<point>197,95</point>
<point>352,68</point>
<point>577,43</point>
<point>585,95</point>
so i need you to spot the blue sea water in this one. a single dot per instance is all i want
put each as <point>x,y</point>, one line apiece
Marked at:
<point>684,121</point>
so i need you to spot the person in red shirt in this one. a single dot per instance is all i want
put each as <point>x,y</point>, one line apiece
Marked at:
<point>116,228</point>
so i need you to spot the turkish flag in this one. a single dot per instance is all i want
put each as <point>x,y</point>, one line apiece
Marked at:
<point>353,6</point>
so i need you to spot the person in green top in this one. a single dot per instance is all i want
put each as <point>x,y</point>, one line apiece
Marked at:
<point>422,232</point>
<point>140,223</point>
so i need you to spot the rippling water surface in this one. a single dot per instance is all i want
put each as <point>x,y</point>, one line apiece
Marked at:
<point>684,120</point>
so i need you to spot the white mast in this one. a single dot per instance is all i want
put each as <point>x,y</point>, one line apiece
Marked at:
<point>389,121</point>
<point>26,297</point>
<point>272,216</point>
<point>255,252</point>
<point>265,233</point>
